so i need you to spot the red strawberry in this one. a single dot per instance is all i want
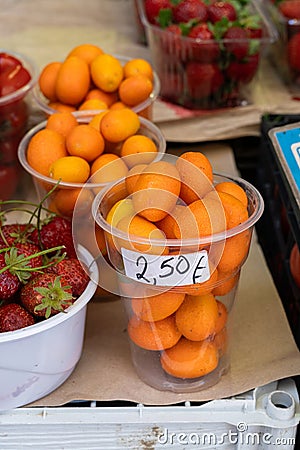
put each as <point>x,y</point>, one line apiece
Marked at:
<point>153,7</point>
<point>29,250</point>
<point>243,71</point>
<point>293,50</point>
<point>15,232</point>
<point>46,294</point>
<point>290,9</point>
<point>218,10</point>
<point>13,317</point>
<point>187,10</point>
<point>207,50</point>
<point>172,85</point>
<point>9,282</point>
<point>55,233</point>
<point>171,41</point>
<point>203,79</point>
<point>73,272</point>
<point>238,42</point>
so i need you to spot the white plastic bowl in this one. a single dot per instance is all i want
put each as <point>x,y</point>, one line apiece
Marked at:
<point>37,359</point>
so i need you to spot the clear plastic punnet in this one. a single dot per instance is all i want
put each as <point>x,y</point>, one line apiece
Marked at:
<point>178,293</point>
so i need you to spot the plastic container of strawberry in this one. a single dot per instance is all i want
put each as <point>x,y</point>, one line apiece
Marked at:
<point>208,73</point>
<point>284,54</point>
<point>18,75</point>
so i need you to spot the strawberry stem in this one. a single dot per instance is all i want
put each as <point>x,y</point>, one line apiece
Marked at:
<point>18,265</point>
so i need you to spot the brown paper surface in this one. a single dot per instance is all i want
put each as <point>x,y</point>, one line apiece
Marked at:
<point>262,350</point>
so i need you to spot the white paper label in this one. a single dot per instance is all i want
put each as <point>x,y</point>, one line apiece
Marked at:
<point>166,270</point>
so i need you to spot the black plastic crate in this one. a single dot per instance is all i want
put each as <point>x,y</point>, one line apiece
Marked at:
<point>279,228</point>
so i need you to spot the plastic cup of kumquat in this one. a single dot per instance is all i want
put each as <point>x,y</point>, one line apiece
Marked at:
<point>70,166</point>
<point>133,93</point>
<point>177,236</point>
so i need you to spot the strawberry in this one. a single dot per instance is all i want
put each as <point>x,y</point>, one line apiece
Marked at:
<point>73,272</point>
<point>252,25</point>
<point>203,79</point>
<point>153,8</point>
<point>293,50</point>
<point>9,282</point>
<point>188,10</point>
<point>56,232</point>
<point>15,232</point>
<point>219,9</point>
<point>173,85</point>
<point>13,317</point>
<point>238,42</point>
<point>171,42</point>
<point>208,49</point>
<point>290,9</point>
<point>29,249</point>
<point>46,295</point>
<point>243,71</point>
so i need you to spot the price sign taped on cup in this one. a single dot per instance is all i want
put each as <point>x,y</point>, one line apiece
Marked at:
<point>167,270</point>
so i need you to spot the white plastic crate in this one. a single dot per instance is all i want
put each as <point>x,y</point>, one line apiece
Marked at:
<point>264,418</point>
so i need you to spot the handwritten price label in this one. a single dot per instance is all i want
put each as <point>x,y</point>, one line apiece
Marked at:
<point>166,270</point>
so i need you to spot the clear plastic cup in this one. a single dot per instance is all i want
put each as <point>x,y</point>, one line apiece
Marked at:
<point>144,109</point>
<point>74,200</point>
<point>178,294</point>
<point>198,73</point>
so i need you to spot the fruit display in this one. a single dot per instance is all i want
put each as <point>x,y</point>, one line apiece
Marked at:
<point>178,235</point>
<point>285,54</point>
<point>82,154</point>
<point>205,52</point>
<point>17,78</point>
<point>89,79</point>
<point>40,273</point>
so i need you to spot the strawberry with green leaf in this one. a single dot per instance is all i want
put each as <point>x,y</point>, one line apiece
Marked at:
<point>46,295</point>
<point>206,48</point>
<point>154,7</point>
<point>73,272</point>
<point>187,10</point>
<point>236,42</point>
<point>217,10</point>
<point>9,281</point>
<point>15,232</point>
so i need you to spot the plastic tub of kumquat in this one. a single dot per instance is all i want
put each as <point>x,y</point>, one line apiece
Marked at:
<point>89,79</point>
<point>177,235</point>
<point>71,157</point>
